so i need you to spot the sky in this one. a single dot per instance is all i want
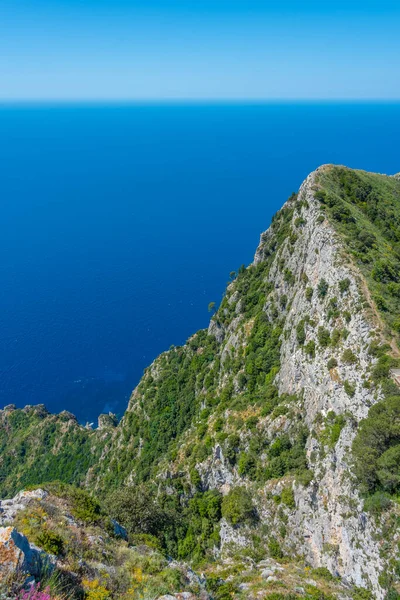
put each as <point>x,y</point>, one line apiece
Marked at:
<point>120,50</point>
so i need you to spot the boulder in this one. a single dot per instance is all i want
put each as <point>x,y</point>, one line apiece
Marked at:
<point>16,554</point>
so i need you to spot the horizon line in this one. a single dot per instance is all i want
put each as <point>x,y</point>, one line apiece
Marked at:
<point>182,100</point>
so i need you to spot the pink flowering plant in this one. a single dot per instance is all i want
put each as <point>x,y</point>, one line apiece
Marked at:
<point>35,593</point>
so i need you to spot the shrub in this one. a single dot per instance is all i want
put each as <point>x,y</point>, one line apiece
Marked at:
<point>349,388</point>
<point>300,332</point>
<point>349,357</point>
<point>231,447</point>
<point>237,507</point>
<point>219,424</point>
<point>335,338</point>
<point>195,478</point>
<point>333,310</point>
<point>288,276</point>
<point>377,503</point>
<point>275,549</point>
<point>347,316</point>
<point>344,285</point>
<point>322,288</point>
<point>299,222</point>
<point>242,380</point>
<point>50,542</point>
<point>310,348</point>
<point>323,572</point>
<point>251,423</point>
<point>333,426</point>
<point>247,465</point>
<point>324,337</point>
<point>376,447</point>
<point>135,508</point>
<point>332,363</point>
<point>95,591</point>
<point>85,507</point>
<point>287,497</point>
<point>309,293</point>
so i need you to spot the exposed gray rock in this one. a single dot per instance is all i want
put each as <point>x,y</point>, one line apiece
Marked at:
<point>16,554</point>
<point>9,508</point>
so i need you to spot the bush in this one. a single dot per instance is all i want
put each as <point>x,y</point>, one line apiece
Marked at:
<point>349,388</point>
<point>309,293</point>
<point>274,548</point>
<point>237,507</point>
<point>50,542</point>
<point>347,316</point>
<point>247,465</point>
<point>377,503</point>
<point>349,357</point>
<point>322,288</point>
<point>388,471</point>
<point>84,507</point>
<point>195,478</point>
<point>310,349</point>
<point>322,572</point>
<point>376,447</point>
<point>332,363</point>
<point>135,508</point>
<point>344,285</point>
<point>335,338</point>
<point>323,337</point>
<point>287,497</point>
<point>333,426</point>
<point>300,333</point>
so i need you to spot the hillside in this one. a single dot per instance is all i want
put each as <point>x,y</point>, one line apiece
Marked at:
<point>273,435</point>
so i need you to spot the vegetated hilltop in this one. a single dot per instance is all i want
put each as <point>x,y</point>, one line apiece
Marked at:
<point>275,434</point>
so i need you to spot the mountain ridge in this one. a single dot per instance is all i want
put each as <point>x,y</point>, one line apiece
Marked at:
<point>263,409</point>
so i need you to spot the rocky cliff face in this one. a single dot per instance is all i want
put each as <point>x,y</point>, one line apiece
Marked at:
<point>328,526</point>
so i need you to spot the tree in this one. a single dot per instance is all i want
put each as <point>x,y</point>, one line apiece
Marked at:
<point>135,508</point>
<point>375,447</point>
<point>211,307</point>
<point>237,506</point>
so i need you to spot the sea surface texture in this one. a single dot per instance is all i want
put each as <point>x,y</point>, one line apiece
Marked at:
<point>119,224</point>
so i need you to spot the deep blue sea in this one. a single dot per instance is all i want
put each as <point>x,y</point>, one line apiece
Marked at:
<point>119,224</point>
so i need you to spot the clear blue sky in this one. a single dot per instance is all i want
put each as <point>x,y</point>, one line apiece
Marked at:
<point>199,49</point>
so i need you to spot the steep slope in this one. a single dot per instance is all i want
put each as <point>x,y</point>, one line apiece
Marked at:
<point>36,446</point>
<point>271,396</point>
<point>252,436</point>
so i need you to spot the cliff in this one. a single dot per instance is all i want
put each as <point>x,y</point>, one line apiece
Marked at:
<point>275,432</point>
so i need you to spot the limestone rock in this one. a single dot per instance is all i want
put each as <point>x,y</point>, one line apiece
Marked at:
<point>16,554</point>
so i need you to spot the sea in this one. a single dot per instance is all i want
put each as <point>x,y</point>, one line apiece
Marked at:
<point>119,224</point>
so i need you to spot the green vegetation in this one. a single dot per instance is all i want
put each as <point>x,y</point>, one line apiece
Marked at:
<point>349,357</point>
<point>322,288</point>
<point>333,426</point>
<point>344,285</point>
<point>237,507</point>
<point>324,337</point>
<point>309,293</point>
<point>376,448</point>
<point>216,398</point>
<point>332,363</point>
<point>66,450</point>
<point>349,388</point>
<point>287,497</point>
<point>366,210</point>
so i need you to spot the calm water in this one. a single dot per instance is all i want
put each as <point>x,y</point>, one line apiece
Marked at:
<point>120,224</point>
